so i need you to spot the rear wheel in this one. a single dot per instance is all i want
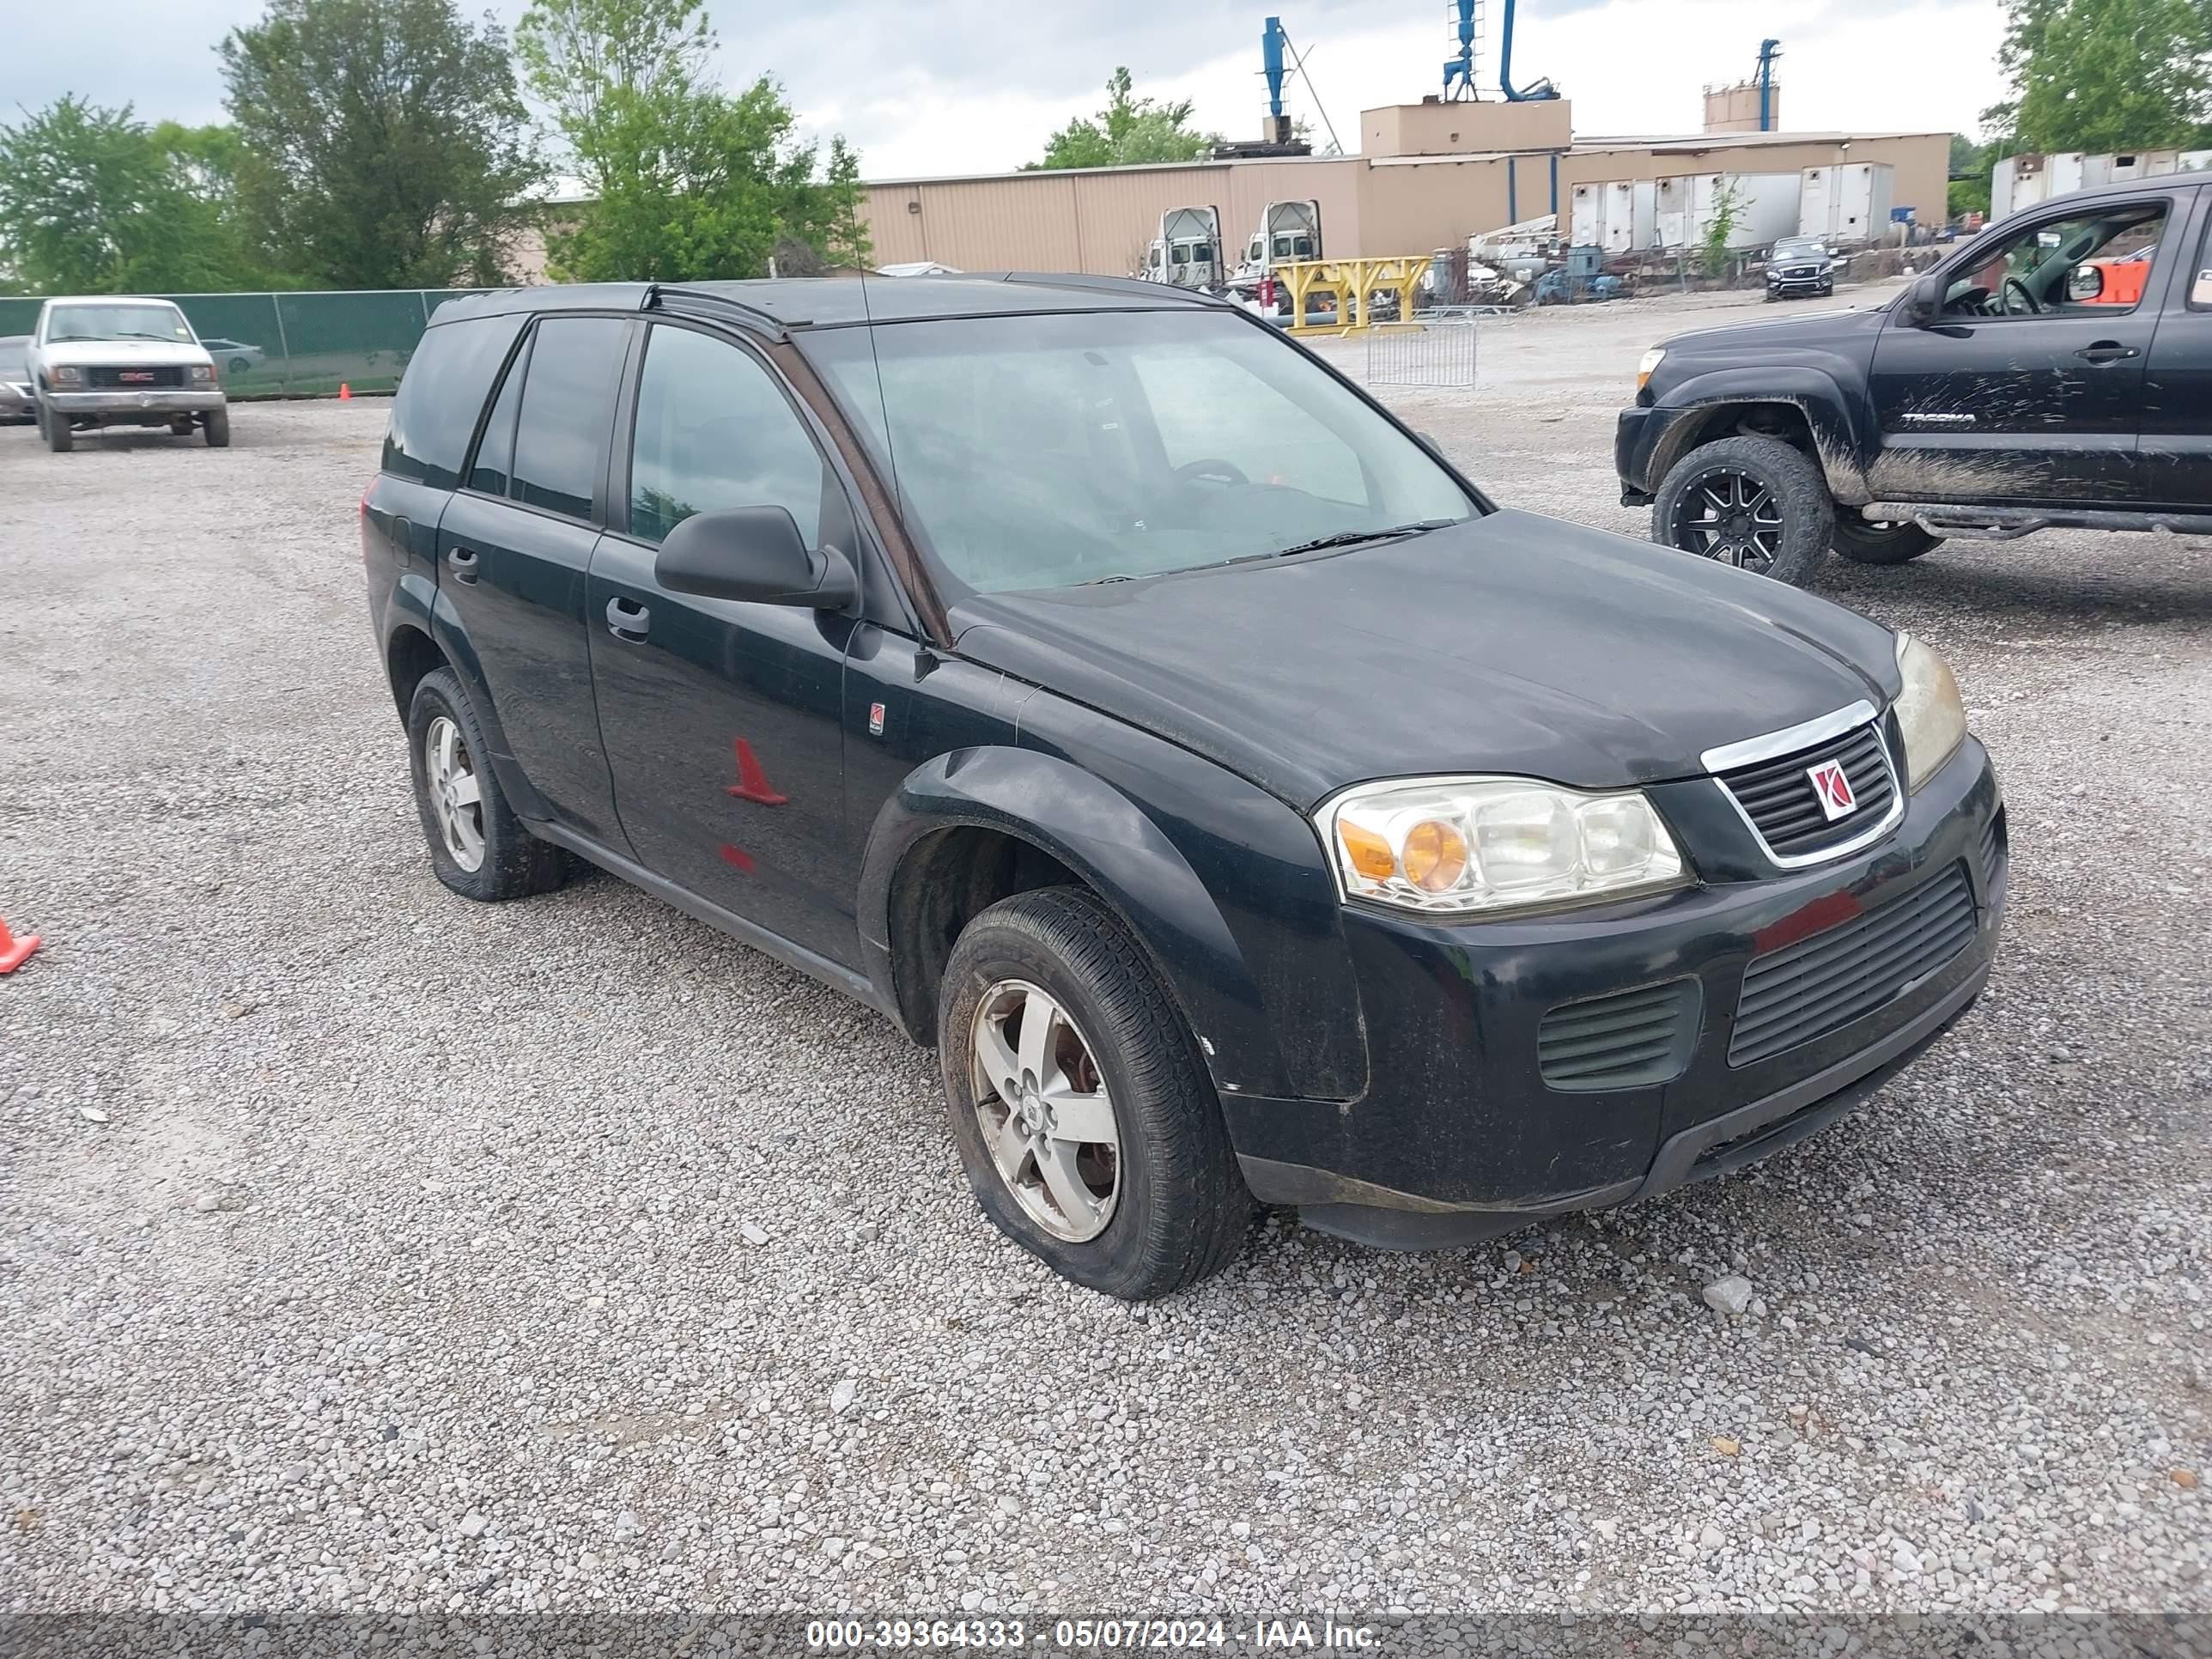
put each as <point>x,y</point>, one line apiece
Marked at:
<point>478,848</point>
<point>1087,1127</point>
<point>1866,542</point>
<point>57,429</point>
<point>1755,503</point>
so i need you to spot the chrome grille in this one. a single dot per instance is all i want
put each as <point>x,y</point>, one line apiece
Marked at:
<point>134,379</point>
<point>1808,989</point>
<point>1628,1040</point>
<point>1778,798</point>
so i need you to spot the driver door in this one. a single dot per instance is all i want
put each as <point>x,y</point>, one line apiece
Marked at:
<point>2028,388</point>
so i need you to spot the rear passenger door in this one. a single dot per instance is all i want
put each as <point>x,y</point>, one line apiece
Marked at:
<point>2177,418</point>
<point>723,720</point>
<point>515,546</point>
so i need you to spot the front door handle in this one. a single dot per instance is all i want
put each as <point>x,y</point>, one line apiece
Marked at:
<point>464,561</point>
<point>628,621</point>
<point>2106,351</point>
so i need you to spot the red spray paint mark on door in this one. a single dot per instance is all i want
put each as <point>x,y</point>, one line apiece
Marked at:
<point>738,858</point>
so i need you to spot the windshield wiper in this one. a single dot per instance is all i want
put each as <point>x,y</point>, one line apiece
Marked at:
<point>1353,537</point>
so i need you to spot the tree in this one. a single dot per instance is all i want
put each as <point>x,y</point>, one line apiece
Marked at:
<point>382,143</point>
<point>1971,167</point>
<point>2104,74</point>
<point>848,241</point>
<point>93,200</point>
<point>684,181</point>
<point>1128,132</point>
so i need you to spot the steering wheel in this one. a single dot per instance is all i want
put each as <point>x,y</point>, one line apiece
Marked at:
<point>1211,467</point>
<point>2013,285</point>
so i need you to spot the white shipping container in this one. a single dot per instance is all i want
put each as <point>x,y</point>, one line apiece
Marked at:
<point>1764,207</point>
<point>1631,216</point>
<point>1586,218</point>
<point>2022,181</point>
<point>1846,205</point>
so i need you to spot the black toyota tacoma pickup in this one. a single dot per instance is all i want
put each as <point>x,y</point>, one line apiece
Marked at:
<point>2055,371</point>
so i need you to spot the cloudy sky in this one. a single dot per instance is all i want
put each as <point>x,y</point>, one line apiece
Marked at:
<point>973,86</point>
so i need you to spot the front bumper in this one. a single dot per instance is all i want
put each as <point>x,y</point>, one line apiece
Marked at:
<point>153,403</point>
<point>1801,284</point>
<point>1460,1137</point>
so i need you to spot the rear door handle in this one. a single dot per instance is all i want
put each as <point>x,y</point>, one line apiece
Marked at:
<point>2106,351</point>
<point>627,621</point>
<point>464,561</point>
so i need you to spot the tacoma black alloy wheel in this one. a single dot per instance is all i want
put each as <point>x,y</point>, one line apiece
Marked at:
<point>1756,503</point>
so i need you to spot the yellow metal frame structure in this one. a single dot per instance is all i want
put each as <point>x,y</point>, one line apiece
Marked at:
<point>1353,282</point>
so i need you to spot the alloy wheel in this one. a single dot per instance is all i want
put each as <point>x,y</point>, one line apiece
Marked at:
<point>456,792</point>
<point>1046,1114</point>
<point>1733,517</point>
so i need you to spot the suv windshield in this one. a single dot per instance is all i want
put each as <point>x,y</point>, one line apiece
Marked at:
<point>1801,247</point>
<point>116,322</point>
<point>1042,450</point>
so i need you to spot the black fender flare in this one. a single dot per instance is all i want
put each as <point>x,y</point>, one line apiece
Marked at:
<point>451,636</point>
<point>1116,848</point>
<point>1838,442</point>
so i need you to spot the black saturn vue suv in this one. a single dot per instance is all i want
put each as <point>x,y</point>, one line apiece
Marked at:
<point>1112,695</point>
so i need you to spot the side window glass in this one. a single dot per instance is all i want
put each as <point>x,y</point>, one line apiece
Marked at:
<point>2200,279</point>
<point>2093,262</point>
<point>494,469</point>
<point>715,430</point>
<point>567,399</point>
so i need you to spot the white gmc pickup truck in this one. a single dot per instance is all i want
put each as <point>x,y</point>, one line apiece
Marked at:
<point>103,361</point>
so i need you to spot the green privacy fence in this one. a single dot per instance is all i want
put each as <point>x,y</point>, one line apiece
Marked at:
<point>295,345</point>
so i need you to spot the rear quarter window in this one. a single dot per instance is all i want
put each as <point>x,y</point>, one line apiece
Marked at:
<point>440,396</point>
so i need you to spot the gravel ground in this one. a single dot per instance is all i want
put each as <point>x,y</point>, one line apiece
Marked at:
<point>365,1248</point>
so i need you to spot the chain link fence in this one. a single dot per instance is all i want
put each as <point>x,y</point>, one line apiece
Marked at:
<point>294,346</point>
<point>1434,352</point>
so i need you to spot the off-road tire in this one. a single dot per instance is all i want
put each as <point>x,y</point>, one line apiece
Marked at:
<point>216,426</point>
<point>1182,1211</point>
<point>1864,543</point>
<point>56,430</point>
<point>1808,514</point>
<point>516,864</point>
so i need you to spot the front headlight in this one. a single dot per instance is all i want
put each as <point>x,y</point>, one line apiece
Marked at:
<point>199,374</point>
<point>66,374</point>
<point>1930,714</point>
<point>1458,845</point>
<point>1646,364</point>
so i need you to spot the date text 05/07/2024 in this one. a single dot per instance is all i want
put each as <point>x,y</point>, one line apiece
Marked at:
<point>850,1635</point>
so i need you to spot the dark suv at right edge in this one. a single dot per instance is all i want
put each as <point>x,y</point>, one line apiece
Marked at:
<point>2055,371</point>
<point>1101,686</point>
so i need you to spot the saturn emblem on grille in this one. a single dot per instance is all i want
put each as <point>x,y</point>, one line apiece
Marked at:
<point>1833,786</point>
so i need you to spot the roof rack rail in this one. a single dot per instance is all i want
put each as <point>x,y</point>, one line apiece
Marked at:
<point>1132,285</point>
<point>657,294</point>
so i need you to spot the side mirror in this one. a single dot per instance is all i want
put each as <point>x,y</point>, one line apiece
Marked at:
<point>754,554</point>
<point>1923,301</point>
<point>2084,284</point>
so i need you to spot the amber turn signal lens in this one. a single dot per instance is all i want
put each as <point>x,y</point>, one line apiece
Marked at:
<point>1436,855</point>
<point>1370,855</point>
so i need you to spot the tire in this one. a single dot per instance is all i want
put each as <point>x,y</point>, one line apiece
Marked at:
<point>239,365</point>
<point>1739,482</point>
<point>1863,543</point>
<point>59,438</point>
<point>1175,1207</point>
<point>216,425</point>
<point>501,859</point>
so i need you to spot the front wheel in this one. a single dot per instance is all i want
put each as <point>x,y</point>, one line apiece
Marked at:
<point>1864,542</point>
<point>1755,503</point>
<point>217,427</point>
<point>57,429</point>
<point>1087,1127</point>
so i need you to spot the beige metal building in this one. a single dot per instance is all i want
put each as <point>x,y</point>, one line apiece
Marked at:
<point>1431,175</point>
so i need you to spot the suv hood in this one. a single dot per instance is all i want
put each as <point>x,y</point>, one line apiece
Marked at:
<point>149,354</point>
<point>1512,643</point>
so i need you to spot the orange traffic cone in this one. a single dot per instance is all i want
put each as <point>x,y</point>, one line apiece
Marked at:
<point>752,782</point>
<point>345,392</point>
<point>15,952</point>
